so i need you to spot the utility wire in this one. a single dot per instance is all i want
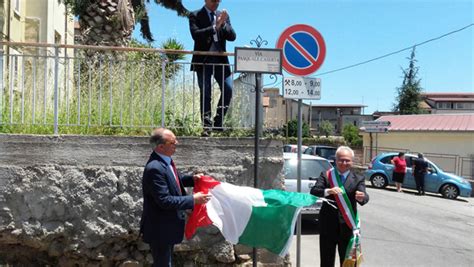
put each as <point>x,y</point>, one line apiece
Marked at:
<point>396,52</point>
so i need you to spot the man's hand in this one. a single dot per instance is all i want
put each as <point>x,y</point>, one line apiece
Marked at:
<point>201,198</point>
<point>335,190</point>
<point>223,16</point>
<point>197,176</point>
<point>359,196</point>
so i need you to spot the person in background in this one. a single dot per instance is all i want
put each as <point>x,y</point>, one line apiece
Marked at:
<point>420,168</point>
<point>164,198</point>
<point>210,29</point>
<point>399,170</point>
<point>334,230</point>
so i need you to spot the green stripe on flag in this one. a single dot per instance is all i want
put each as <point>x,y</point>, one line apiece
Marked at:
<point>270,227</point>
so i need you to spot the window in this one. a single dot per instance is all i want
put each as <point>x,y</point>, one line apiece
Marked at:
<point>464,105</point>
<point>444,105</point>
<point>309,168</point>
<point>387,160</point>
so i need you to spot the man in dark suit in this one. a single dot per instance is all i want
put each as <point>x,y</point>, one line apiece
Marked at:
<point>164,198</point>
<point>333,228</point>
<point>420,168</point>
<point>210,29</point>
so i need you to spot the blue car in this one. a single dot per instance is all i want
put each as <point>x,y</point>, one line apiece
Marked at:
<point>449,185</point>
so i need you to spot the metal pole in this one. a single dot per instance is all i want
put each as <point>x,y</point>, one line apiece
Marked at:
<point>376,143</point>
<point>56,74</point>
<point>258,87</point>
<point>298,185</point>
<point>163,87</point>
<point>371,146</point>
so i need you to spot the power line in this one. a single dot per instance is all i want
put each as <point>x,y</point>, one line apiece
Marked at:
<point>396,52</point>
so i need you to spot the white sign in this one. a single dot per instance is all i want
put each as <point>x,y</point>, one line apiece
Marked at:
<point>376,123</point>
<point>257,60</point>
<point>376,129</point>
<point>302,88</point>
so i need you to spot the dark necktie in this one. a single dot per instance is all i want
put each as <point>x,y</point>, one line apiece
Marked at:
<point>343,179</point>
<point>176,175</point>
<point>212,17</point>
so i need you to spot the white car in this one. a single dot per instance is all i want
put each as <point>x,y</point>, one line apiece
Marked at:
<point>311,168</point>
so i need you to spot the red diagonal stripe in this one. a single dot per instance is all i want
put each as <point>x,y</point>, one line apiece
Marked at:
<point>301,49</point>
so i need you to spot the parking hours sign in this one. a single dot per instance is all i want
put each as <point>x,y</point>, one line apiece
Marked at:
<point>303,49</point>
<point>302,88</point>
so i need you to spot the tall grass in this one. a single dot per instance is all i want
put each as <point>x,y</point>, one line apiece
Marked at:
<point>103,94</point>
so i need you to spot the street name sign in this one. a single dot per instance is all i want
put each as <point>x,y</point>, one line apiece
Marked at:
<point>303,49</point>
<point>257,60</point>
<point>302,88</point>
<point>376,129</point>
<point>374,124</point>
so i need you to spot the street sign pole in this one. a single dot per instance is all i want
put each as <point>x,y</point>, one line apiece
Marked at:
<point>296,42</point>
<point>258,61</point>
<point>298,183</point>
<point>258,87</point>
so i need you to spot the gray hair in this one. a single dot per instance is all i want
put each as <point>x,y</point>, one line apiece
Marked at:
<point>344,148</point>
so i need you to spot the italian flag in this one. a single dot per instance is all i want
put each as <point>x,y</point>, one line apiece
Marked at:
<point>248,216</point>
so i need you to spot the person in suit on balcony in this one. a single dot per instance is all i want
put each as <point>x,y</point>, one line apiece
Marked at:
<point>164,198</point>
<point>210,29</point>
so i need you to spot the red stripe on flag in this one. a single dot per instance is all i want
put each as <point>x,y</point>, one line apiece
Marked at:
<point>199,217</point>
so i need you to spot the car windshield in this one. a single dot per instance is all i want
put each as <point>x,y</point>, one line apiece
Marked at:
<point>327,152</point>
<point>309,168</point>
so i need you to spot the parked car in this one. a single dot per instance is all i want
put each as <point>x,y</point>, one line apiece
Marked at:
<point>293,148</point>
<point>327,152</point>
<point>447,184</point>
<point>311,168</point>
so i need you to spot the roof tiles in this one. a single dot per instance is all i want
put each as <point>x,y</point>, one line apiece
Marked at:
<point>431,122</point>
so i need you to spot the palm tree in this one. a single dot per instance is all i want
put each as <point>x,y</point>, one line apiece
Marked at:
<point>111,22</point>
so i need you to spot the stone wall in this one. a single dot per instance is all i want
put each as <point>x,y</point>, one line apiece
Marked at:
<point>74,200</point>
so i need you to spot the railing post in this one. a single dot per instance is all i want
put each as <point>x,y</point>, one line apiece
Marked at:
<point>56,74</point>
<point>164,60</point>
<point>1,84</point>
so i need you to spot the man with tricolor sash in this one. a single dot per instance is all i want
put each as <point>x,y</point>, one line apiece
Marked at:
<point>340,224</point>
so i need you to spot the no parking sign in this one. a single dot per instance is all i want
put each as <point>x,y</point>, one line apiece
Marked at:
<point>303,49</point>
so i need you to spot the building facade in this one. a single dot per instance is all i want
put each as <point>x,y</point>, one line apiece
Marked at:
<point>338,115</point>
<point>446,103</point>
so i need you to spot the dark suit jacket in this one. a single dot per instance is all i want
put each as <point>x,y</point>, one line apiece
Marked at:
<point>329,215</point>
<point>202,33</point>
<point>164,206</point>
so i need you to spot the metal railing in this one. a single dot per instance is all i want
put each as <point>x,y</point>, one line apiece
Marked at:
<point>73,88</point>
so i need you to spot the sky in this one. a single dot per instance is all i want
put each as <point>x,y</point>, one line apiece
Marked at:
<point>354,31</point>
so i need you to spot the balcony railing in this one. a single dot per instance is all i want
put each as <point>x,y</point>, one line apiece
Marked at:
<point>56,89</point>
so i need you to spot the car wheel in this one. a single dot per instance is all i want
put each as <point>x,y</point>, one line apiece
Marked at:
<point>379,180</point>
<point>450,191</point>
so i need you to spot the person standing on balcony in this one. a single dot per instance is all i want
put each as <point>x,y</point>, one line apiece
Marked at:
<point>399,170</point>
<point>210,29</point>
<point>164,198</point>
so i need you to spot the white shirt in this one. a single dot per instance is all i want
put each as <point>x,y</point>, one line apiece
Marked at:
<point>345,174</point>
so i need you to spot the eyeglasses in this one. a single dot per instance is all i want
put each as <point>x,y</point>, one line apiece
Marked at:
<point>344,160</point>
<point>174,142</point>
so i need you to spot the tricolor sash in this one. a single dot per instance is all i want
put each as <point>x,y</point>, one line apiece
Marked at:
<point>353,255</point>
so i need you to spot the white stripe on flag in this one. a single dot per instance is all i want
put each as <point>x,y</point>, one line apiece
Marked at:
<point>230,208</point>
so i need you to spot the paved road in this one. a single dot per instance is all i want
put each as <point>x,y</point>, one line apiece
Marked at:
<point>403,229</point>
